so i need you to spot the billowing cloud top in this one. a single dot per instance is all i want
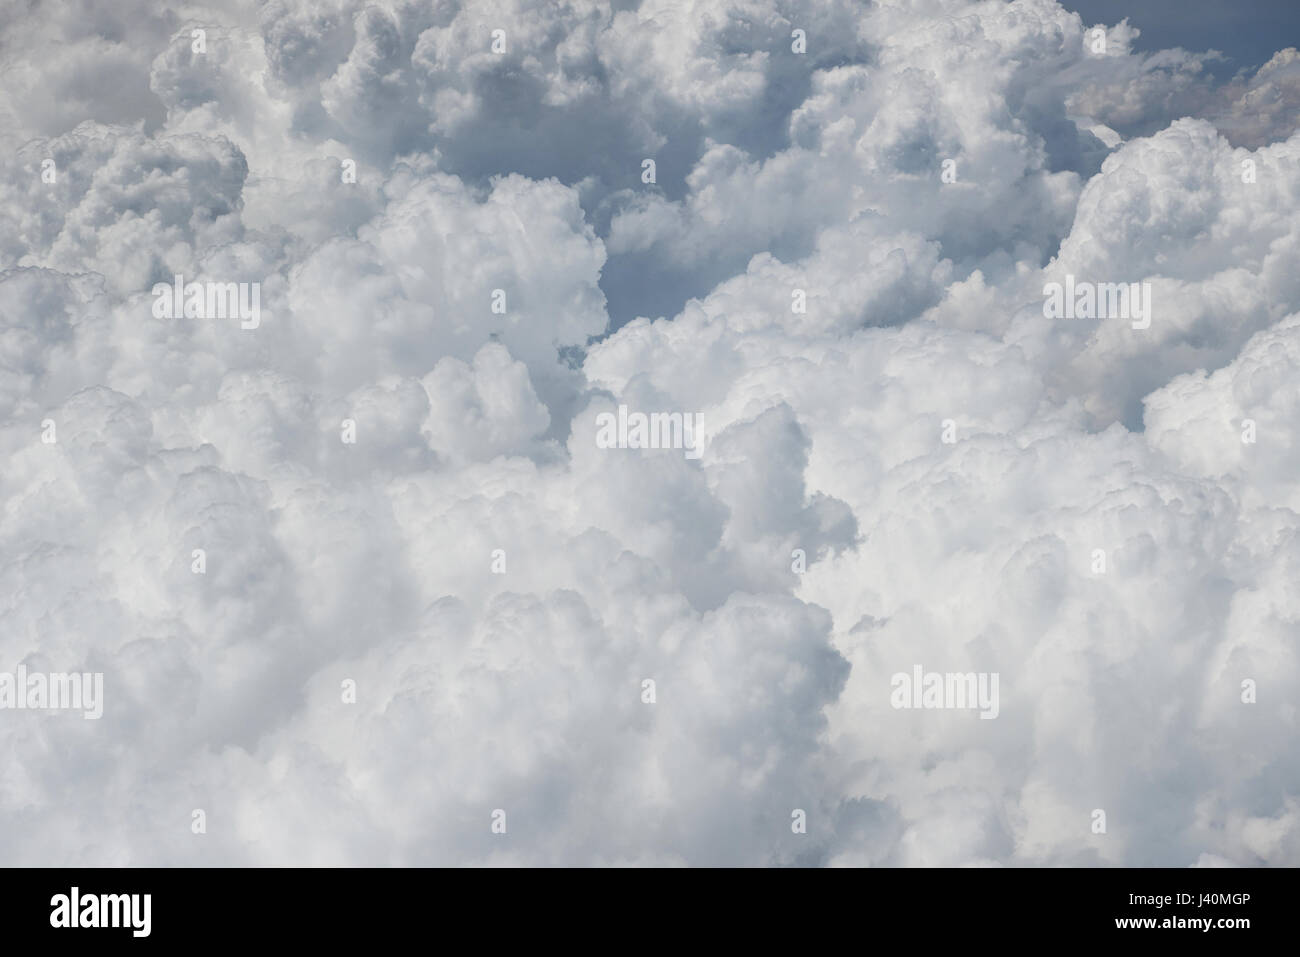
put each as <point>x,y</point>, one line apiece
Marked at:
<point>329,331</point>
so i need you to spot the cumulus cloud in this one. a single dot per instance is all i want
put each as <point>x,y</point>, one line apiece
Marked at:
<point>361,573</point>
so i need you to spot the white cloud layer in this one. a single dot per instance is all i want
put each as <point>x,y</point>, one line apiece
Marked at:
<point>496,585</point>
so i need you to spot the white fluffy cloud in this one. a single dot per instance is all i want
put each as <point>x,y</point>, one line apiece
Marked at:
<point>904,461</point>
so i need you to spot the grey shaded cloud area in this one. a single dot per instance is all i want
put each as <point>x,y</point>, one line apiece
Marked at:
<point>362,573</point>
